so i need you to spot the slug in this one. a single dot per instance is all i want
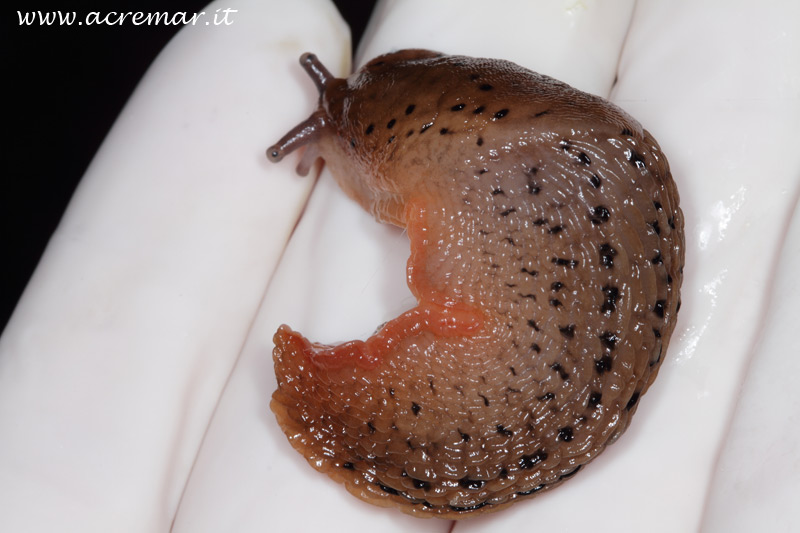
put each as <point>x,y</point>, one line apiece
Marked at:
<point>547,254</point>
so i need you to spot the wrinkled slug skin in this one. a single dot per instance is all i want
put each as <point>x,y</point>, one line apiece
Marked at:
<point>547,252</point>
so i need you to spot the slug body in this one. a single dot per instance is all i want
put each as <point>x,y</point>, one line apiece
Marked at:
<point>547,253</point>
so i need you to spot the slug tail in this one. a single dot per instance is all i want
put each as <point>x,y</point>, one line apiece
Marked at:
<point>336,404</point>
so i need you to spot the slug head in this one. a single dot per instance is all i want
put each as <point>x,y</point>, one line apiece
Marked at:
<point>336,131</point>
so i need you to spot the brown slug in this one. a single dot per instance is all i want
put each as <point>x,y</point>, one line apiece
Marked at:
<point>547,254</point>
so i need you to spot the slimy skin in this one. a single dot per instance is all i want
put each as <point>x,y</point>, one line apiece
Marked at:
<point>547,254</point>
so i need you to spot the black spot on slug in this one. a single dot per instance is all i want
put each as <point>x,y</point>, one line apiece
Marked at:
<point>558,368</point>
<point>369,129</point>
<point>425,127</point>
<point>508,212</point>
<point>532,324</point>
<point>503,431</point>
<point>485,400</point>
<point>541,114</point>
<point>609,339</point>
<point>392,138</point>
<point>658,309</point>
<point>658,356</point>
<point>468,508</point>
<point>464,436</point>
<point>528,492</point>
<point>415,408</point>
<point>603,364</point>
<point>529,272</point>
<point>419,484</point>
<point>594,180</point>
<point>655,226</point>
<point>526,462</point>
<point>626,132</point>
<point>485,87</point>
<point>570,473</point>
<point>584,159</point>
<point>632,401</point>
<point>348,466</point>
<point>546,397</point>
<point>555,302</point>
<point>600,214</point>
<point>480,141</point>
<point>458,107</point>
<point>594,400</point>
<point>410,109</point>
<point>657,260</point>
<point>565,434</point>
<point>607,253</point>
<point>610,294</point>
<point>635,159</point>
<point>371,427</point>
<point>391,124</point>
<point>556,286</point>
<point>478,110</point>
<point>500,114</point>
<point>569,263</point>
<point>567,331</point>
<point>388,489</point>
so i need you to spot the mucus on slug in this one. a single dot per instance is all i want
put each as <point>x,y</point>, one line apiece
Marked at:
<point>532,211</point>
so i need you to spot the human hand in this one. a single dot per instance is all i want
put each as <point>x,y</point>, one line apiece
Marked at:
<point>126,386</point>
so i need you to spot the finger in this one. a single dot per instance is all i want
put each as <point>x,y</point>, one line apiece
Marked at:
<point>114,359</point>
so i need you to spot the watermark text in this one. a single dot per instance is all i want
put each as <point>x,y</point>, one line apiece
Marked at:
<point>220,17</point>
